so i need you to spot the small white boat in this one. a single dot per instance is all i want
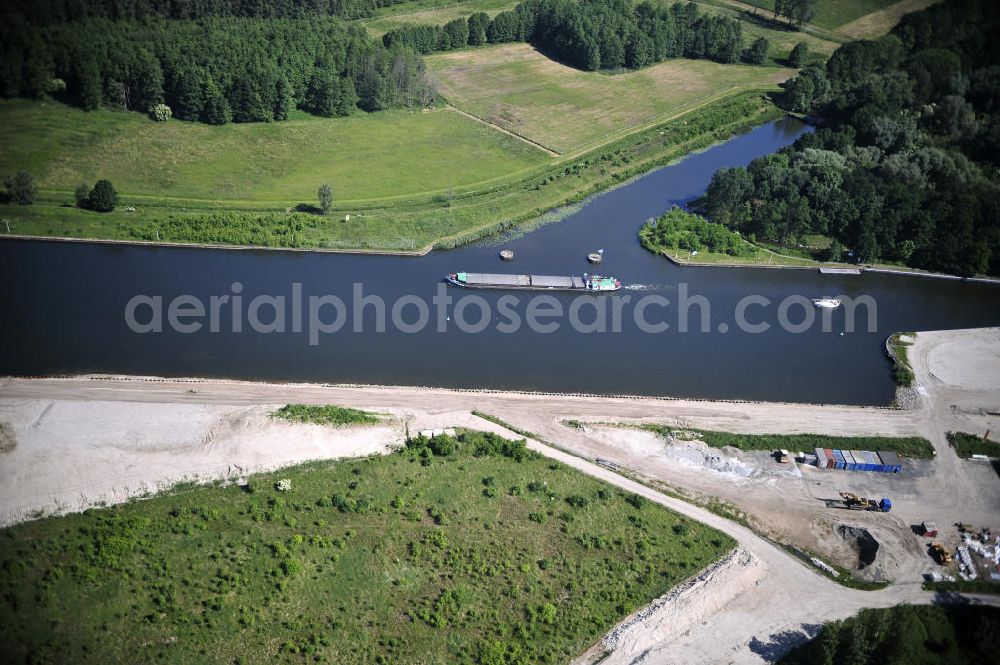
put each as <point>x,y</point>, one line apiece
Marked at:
<point>596,257</point>
<point>826,303</point>
<point>507,254</point>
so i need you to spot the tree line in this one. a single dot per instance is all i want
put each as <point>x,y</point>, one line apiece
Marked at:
<point>904,165</point>
<point>214,70</point>
<point>594,34</point>
<point>47,12</point>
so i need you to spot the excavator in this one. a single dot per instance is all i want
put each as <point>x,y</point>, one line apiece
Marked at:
<point>854,502</point>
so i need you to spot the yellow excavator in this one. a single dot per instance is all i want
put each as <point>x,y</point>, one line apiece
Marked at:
<point>855,502</point>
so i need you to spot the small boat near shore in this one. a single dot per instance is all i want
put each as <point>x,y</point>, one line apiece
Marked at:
<point>475,280</point>
<point>507,254</point>
<point>826,303</point>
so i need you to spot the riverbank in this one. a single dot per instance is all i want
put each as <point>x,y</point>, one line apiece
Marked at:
<point>85,437</point>
<point>156,431</point>
<point>412,223</point>
<point>785,262</point>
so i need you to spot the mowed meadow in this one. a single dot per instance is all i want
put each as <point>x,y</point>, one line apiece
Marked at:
<point>467,551</point>
<point>365,156</point>
<point>830,14</point>
<point>515,87</point>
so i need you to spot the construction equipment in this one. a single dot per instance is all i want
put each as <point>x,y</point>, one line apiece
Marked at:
<point>855,502</point>
<point>940,554</point>
<point>929,529</point>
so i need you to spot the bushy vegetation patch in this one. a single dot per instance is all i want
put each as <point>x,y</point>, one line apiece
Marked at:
<point>380,560</point>
<point>909,446</point>
<point>681,230</point>
<point>327,414</point>
<point>967,445</point>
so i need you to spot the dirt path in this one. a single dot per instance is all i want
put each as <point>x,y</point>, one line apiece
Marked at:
<point>476,118</point>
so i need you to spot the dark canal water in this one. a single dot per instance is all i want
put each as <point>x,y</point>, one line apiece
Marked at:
<point>64,307</point>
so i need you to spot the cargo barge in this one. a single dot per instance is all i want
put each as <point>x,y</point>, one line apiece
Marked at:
<point>478,280</point>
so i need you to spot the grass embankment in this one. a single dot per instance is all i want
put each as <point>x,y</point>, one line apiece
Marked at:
<point>911,446</point>
<point>515,87</point>
<point>966,445</point>
<point>327,414</point>
<point>445,218</point>
<point>911,634</point>
<point>467,550</point>
<point>898,346</point>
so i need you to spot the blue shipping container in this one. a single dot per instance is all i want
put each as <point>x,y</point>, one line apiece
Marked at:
<point>851,461</point>
<point>839,461</point>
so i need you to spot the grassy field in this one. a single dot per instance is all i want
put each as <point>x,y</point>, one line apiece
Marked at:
<point>880,22</point>
<point>782,38</point>
<point>365,156</point>
<point>443,218</point>
<point>480,553</point>
<point>439,12</point>
<point>832,14</point>
<point>515,87</point>
<point>907,446</point>
<point>431,12</point>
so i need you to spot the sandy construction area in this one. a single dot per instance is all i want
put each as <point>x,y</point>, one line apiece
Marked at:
<point>70,443</point>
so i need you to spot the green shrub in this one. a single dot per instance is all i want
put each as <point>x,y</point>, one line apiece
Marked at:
<point>680,230</point>
<point>325,415</point>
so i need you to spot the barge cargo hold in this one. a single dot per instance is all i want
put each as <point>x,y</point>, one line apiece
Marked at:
<point>476,280</point>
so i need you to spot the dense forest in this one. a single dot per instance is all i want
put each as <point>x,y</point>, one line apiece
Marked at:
<point>47,12</point>
<point>594,34</point>
<point>214,70</point>
<point>905,635</point>
<point>904,167</point>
